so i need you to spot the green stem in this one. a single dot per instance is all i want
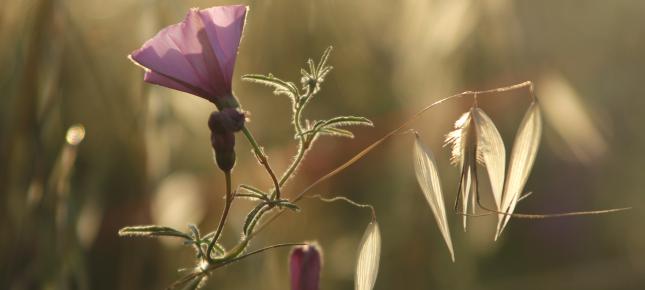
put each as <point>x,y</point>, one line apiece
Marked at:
<point>222,221</point>
<point>295,163</point>
<point>259,153</point>
<point>303,145</point>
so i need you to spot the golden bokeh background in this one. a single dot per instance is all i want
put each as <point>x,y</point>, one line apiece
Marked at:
<point>146,155</point>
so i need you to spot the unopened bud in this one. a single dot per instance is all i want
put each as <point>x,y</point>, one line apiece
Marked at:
<point>226,120</point>
<point>223,125</point>
<point>305,263</point>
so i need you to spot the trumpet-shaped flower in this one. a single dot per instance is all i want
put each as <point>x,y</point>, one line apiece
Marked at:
<point>197,55</point>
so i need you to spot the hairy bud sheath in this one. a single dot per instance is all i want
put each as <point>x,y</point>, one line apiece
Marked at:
<point>223,125</point>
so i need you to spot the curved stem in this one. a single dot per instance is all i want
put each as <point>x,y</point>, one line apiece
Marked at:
<point>294,164</point>
<point>222,221</point>
<point>347,200</point>
<point>259,153</point>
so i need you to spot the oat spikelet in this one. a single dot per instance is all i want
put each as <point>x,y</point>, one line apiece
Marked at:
<point>523,155</point>
<point>464,154</point>
<point>493,154</point>
<point>455,139</point>
<point>427,174</point>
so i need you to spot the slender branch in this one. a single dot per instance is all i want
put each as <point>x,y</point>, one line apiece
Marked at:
<point>222,221</point>
<point>259,153</point>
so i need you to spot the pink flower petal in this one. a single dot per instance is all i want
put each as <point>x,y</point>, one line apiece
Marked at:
<point>196,55</point>
<point>225,31</point>
<point>158,79</point>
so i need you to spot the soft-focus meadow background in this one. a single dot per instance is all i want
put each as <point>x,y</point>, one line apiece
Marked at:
<point>146,156</point>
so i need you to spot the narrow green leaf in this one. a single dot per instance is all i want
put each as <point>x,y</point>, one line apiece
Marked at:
<point>289,205</point>
<point>152,231</point>
<point>250,188</point>
<point>280,86</point>
<point>312,66</point>
<point>251,196</point>
<point>250,192</point>
<point>337,132</point>
<point>323,61</point>
<point>342,121</point>
<point>323,73</point>
<point>253,217</point>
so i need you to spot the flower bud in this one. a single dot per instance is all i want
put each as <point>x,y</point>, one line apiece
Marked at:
<point>227,120</point>
<point>305,263</point>
<point>223,125</point>
<point>224,147</point>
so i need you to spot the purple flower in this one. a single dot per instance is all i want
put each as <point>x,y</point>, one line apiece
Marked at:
<point>305,263</point>
<point>197,55</point>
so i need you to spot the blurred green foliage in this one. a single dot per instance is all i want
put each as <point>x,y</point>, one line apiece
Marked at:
<point>146,156</point>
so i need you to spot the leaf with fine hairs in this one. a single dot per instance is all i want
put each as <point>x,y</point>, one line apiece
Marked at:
<point>280,86</point>
<point>369,254</point>
<point>425,168</point>
<point>342,121</point>
<point>337,132</point>
<point>523,155</point>
<point>493,154</point>
<point>152,231</point>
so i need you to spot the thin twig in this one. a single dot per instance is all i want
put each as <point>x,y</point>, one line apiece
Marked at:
<point>345,199</point>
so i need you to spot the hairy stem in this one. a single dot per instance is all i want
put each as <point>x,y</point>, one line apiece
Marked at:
<point>294,164</point>
<point>259,153</point>
<point>222,221</point>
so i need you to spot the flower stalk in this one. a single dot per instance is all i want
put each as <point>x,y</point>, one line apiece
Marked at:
<point>225,212</point>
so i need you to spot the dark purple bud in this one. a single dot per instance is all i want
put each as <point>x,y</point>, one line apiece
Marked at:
<point>223,125</point>
<point>224,146</point>
<point>305,263</point>
<point>226,120</point>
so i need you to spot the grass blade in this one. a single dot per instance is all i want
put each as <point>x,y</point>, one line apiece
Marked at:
<point>152,231</point>
<point>425,168</point>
